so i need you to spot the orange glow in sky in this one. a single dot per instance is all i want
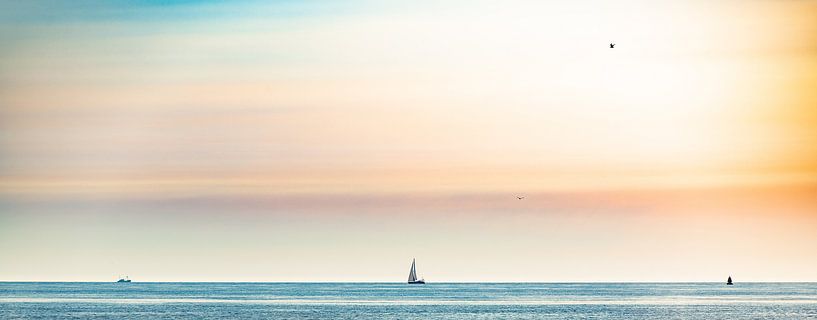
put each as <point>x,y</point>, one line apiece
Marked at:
<point>256,141</point>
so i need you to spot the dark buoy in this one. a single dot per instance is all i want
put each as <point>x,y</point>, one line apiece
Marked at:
<point>729,281</point>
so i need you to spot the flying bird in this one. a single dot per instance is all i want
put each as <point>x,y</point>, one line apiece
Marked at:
<point>612,45</point>
<point>520,198</point>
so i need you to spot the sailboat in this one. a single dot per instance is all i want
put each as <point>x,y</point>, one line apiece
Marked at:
<point>729,281</point>
<point>413,275</point>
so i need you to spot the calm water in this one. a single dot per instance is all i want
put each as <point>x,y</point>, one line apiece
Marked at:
<point>401,301</point>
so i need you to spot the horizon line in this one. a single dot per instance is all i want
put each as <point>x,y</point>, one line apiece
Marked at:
<point>402,282</point>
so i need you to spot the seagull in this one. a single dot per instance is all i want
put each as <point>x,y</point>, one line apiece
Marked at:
<point>520,198</point>
<point>612,45</point>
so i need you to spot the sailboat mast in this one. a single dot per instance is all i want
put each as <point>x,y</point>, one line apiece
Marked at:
<point>412,272</point>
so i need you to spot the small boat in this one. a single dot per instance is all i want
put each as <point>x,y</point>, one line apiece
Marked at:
<point>412,279</point>
<point>729,281</point>
<point>121,279</point>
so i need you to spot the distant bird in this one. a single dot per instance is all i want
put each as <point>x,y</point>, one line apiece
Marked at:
<point>612,45</point>
<point>520,198</point>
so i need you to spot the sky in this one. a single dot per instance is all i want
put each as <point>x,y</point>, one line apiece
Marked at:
<point>338,140</point>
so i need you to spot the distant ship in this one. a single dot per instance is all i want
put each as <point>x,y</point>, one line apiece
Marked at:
<point>121,279</point>
<point>413,275</point>
<point>729,281</point>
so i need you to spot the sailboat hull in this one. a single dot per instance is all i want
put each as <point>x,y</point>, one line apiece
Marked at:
<point>417,282</point>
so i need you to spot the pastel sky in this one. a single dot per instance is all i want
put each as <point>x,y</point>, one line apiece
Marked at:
<point>337,140</point>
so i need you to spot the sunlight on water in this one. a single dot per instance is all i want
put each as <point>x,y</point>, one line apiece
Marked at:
<point>400,301</point>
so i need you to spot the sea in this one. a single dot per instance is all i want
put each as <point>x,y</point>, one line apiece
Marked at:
<point>142,300</point>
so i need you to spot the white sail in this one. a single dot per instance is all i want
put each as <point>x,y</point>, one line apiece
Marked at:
<point>412,273</point>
